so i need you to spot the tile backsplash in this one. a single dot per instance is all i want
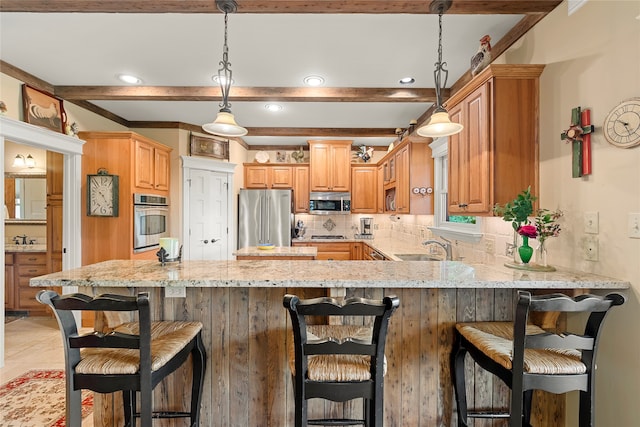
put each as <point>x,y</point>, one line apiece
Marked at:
<point>414,228</point>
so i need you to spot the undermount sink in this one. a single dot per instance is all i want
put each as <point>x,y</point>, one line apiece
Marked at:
<point>417,257</point>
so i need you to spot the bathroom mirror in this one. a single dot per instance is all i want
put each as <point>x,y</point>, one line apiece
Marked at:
<point>25,198</point>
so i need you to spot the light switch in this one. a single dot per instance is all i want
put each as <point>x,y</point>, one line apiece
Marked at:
<point>634,225</point>
<point>591,222</point>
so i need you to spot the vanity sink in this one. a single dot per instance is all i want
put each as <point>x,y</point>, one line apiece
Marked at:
<point>417,257</point>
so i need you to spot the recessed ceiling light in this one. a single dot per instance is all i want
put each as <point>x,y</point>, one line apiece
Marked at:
<point>273,107</point>
<point>313,80</point>
<point>407,80</point>
<point>128,78</point>
<point>220,79</point>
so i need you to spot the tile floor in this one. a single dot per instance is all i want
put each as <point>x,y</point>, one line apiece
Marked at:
<point>33,343</point>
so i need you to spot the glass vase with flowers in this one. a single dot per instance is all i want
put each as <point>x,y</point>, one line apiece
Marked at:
<point>546,226</point>
<point>525,251</point>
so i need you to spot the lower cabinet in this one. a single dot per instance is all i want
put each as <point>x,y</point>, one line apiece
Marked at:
<point>25,266</point>
<point>333,251</point>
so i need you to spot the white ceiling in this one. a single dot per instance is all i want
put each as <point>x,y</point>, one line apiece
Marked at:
<point>265,50</point>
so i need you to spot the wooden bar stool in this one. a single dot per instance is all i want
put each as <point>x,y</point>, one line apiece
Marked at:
<point>526,357</point>
<point>136,356</point>
<point>339,362</point>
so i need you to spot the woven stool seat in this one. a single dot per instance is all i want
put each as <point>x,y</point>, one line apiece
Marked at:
<point>167,339</point>
<point>495,339</point>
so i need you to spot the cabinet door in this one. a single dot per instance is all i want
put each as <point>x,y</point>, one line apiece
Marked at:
<point>55,172</point>
<point>143,168</point>
<point>319,168</point>
<point>301,189</point>
<point>380,189</point>
<point>281,177</point>
<point>256,177</point>
<point>402,180</point>
<point>363,194</point>
<point>458,167</point>
<point>340,164</point>
<point>9,282</point>
<point>161,169</point>
<point>478,150</point>
<point>357,251</point>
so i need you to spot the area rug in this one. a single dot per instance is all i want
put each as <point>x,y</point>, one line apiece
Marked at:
<point>37,399</point>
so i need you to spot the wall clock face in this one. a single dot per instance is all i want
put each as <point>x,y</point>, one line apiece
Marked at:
<point>622,125</point>
<point>102,195</point>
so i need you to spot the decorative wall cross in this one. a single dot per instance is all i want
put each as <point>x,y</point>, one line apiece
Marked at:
<point>579,134</point>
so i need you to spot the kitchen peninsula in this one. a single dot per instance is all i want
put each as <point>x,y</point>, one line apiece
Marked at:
<point>247,381</point>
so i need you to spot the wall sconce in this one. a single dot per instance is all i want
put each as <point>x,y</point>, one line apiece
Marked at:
<point>21,161</point>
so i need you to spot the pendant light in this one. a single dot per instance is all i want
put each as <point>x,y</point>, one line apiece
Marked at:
<point>225,123</point>
<point>439,123</point>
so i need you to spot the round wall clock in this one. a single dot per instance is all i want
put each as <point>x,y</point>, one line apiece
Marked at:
<point>102,194</point>
<point>622,124</point>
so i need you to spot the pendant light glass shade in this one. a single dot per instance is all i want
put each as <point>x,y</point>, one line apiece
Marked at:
<point>439,123</point>
<point>225,123</point>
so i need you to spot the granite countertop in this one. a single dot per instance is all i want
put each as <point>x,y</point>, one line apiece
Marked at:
<point>24,248</point>
<point>321,274</point>
<point>278,251</point>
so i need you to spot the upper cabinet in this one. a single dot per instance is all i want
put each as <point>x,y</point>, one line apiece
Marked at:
<point>301,189</point>
<point>408,177</point>
<point>268,176</point>
<point>363,188</point>
<point>151,165</point>
<point>330,165</point>
<point>495,157</point>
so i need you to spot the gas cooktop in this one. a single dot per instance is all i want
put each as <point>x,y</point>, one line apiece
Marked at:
<point>328,237</point>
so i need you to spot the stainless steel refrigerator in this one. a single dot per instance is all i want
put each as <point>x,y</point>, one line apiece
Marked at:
<point>265,216</point>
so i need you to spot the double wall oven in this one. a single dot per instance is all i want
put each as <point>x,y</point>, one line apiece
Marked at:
<point>150,221</point>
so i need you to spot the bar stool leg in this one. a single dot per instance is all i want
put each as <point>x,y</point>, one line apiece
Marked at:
<point>458,354</point>
<point>199,359</point>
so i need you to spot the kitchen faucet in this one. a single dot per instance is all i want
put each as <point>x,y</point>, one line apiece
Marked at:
<point>16,239</point>
<point>446,245</point>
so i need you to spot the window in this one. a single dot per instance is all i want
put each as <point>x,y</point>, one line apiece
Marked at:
<point>455,227</point>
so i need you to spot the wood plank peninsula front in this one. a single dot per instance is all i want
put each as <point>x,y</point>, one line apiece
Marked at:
<point>246,333</point>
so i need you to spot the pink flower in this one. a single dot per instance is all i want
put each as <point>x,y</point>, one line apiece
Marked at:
<point>528,231</point>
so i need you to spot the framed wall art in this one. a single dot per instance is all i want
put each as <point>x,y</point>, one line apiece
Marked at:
<point>210,147</point>
<point>43,109</point>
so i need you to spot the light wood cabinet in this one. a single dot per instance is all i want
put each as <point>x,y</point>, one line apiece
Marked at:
<point>55,171</point>
<point>357,249</point>
<point>363,188</point>
<point>20,267</point>
<point>380,189</point>
<point>151,165</point>
<point>9,286</point>
<point>495,157</point>
<point>268,176</point>
<point>301,189</point>
<point>142,166</point>
<point>332,251</point>
<point>413,169</point>
<point>330,165</point>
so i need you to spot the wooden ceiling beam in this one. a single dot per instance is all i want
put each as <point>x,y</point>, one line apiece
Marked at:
<point>239,94</point>
<point>278,6</point>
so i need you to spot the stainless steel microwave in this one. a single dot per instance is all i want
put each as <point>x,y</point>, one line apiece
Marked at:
<point>327,203</point>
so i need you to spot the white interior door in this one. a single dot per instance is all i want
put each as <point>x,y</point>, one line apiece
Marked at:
<point>208,237</point>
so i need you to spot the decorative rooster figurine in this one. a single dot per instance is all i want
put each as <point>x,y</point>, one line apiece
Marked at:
<point>482,58</point>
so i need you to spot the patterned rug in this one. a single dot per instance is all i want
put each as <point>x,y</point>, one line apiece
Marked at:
<point>37,399</point>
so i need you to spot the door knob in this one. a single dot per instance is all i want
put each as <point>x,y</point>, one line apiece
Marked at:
<point>205,241</point>
<point>214,240</point>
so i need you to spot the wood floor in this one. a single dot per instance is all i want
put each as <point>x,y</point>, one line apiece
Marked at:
<point>33,343</point>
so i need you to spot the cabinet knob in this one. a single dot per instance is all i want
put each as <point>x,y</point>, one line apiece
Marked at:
<point>463,205</point>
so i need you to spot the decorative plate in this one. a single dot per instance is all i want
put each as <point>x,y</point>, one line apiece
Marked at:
<point>262,157</point>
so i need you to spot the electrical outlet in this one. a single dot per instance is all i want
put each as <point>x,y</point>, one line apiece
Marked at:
<point>175,292</point>
<point>490,246</point>
<point>591,222</point>
<point>634,225</point>
<point>591,248</point>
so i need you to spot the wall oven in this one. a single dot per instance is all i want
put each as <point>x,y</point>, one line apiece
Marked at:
<point>150,221</point>
<point>327,203</point>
